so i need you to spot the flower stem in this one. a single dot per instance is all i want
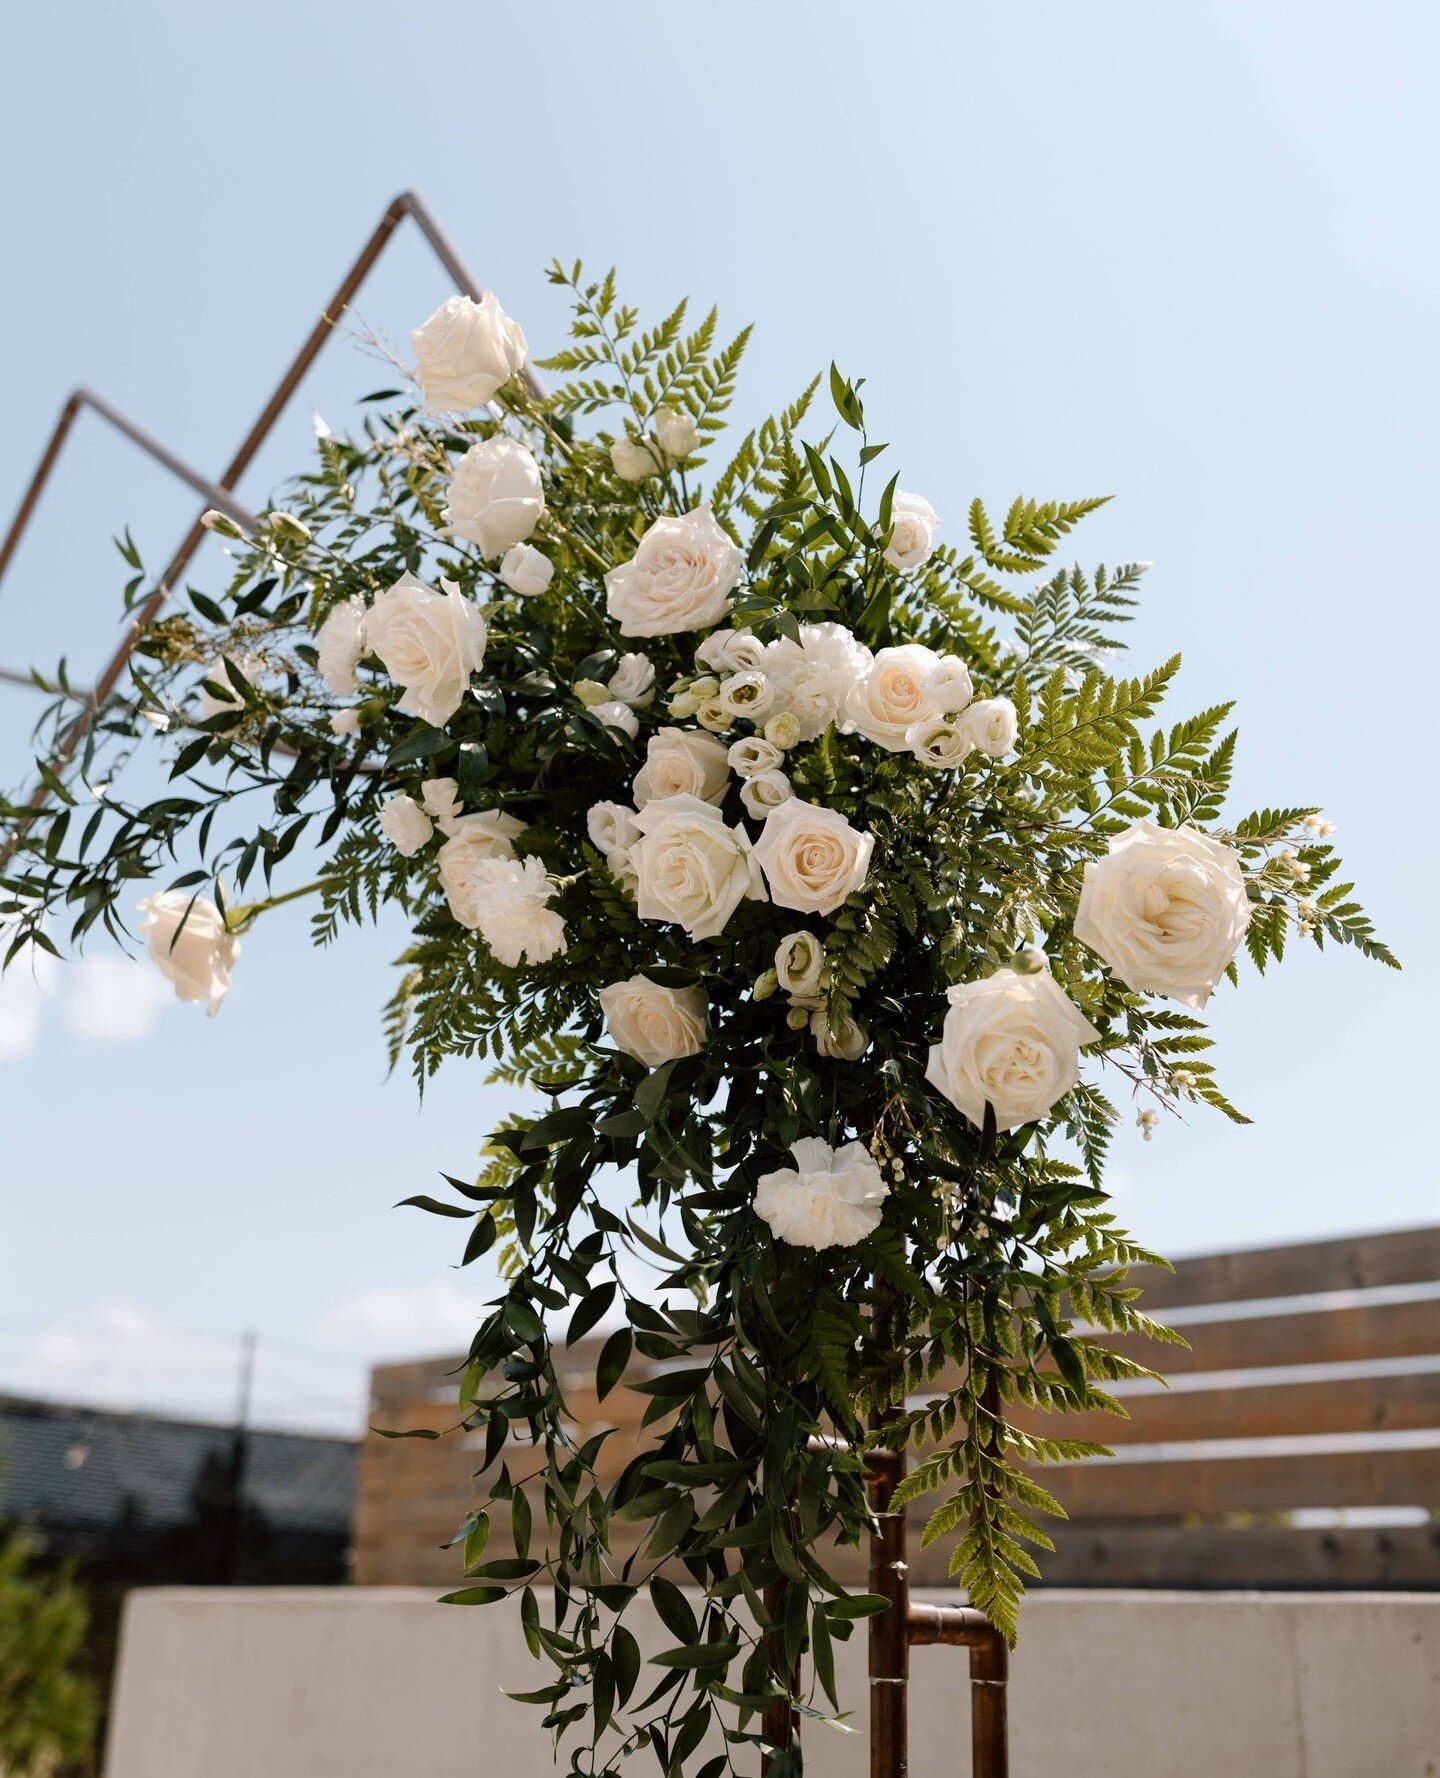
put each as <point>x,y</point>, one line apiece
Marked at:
<point>241,919</point>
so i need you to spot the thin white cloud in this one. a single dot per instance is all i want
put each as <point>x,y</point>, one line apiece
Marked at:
<point>406,1321</point>
<point>114,999</point>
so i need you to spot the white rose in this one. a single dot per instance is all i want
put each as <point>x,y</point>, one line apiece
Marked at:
<point>654,1024</point>
<point>682,761</point>
<point>440,799</point>
<point>690,867</point>
<point>991,725</point>
<point>496,495</point>
<point>746,694</point>
<point>1012,1041</point>
<point>1166,909</point>
<point>474,840</point>
<point>464,352</point>
<point>830,1198</point>
<point>634,460</point>
<point>614,714</point>
<point>339,644</point>
<point>405,824</point>
<point>226,699</point>
<point>731,651</point>
<point>526,570</point>
<point>633,681</point>
<point>947,685</point>
<point>611,826</point>
<point>345,722</point>
<point>198,961</point>
<point>800,964</point>
<point>753,755</point>
<point>891,698</point>
<point>812,857</point>
<point>512,911</point>
<point>939,743</point>
<point>814,677</point>
<point>845,1045</point>
<point>913,523</point>
<point>783,730</point>
<point>763,793</point>
<point>680,578</point>
<point>676,434</point>
<point>621,866</point>
<point>430,643</point>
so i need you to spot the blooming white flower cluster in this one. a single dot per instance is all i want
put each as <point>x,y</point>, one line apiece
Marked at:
<point>674,438</point>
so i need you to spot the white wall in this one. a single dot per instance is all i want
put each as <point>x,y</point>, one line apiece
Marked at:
<point>383,1683</point>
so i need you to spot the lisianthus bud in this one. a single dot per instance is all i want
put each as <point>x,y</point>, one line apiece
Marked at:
<point>765,985</point>
<point>591,692</point>
<point>633,461</point>
<point>285,524</point>
<point>1030,960</point>
<point>221,523</point>
<point>798,1018</point>
<point>676,434</point>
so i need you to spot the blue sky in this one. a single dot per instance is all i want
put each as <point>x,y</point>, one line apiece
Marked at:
<point>1178,255</point>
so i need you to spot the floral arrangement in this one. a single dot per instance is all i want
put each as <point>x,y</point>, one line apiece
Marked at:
<point>817,868</point>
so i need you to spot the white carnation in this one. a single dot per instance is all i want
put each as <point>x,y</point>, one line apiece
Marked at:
<point>830,1198</point>
<point>512,911</point>
<point>405,824</point>
<point>813,678</point>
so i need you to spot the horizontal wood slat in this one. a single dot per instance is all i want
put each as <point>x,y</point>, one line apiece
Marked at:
<point>1323,1336</point>
<point>1365,1262</point>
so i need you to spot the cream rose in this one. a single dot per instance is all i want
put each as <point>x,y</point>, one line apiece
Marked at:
<point>682,761</point>
<point>913,522</point>
<point>812,857</point>
<point>526,570</point>
<point>610,827</point>
<point>339,644</point>
<point>652,1023</point>
<point>814,677</point>
<point>831,1197</point>
<point>464,352</point>
<point>731,651</point>
<point>991,725</point>
<point>847,1044</point>
<point>614,714</point>
<point>430,643</point>
<point>405,824</point>
<point>512,911</point>
<point>1166,909</point>
<point>891,698</point>
<point>690,867</point>
<point>633,681</point>
<point>680,578</point>
<point>634,460</point>
<point>947,685</point>
<point>939,743</point>
<point>440,799</point>
<point>1012,1041</point>
<point>496,495</point>
<point>189,942</point>
<point>474,840</point>
<point>764,792</point>
<point>676,434</point>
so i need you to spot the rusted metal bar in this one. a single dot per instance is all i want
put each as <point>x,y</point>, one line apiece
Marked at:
<point>959,1626</point>
<point>408,203</point>
<point>889,1629</point>
<point>779,1723</point>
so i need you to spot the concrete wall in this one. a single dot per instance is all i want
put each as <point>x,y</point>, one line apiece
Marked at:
<point>383,1683</point>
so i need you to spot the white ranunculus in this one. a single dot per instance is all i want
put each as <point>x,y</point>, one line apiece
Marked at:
<point>753,755</point>
<point>690,867</point>
<point>763,793</point>
<point>731,651</point>
<point>814,677</point>
<point>345,722</point>
<point>429,643</point>
<point>405,824</point>
<point>1013,1041</point>
<point>676,434</point>
<point>633,681</point>
<point>496,495</point>
<point>847,1044</point>
<point>783,730</point>
<point>474,840</point>
<point>947,685</point>
<point>680,578</point>
<point>614,714</point>
<point>189,942</point>
<point>464,352</point>
<point>339,644</point>
<point>812,857</point>
<point>831,1197</point>
<point>654,1024</point>
<point>226,700</point>
<point>682,761</point>
<point>913,523</point>
<point>800,964</point>
<point>939,743</point>
<point>512,911</point>
<point>891,697</point>
<point>991,725</point>
<point>611,826</point>
<point>746,694</point>
<point>634,460</point>
<point>526,570</point>
<point>440,799</point>
<point>1166,909</point>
